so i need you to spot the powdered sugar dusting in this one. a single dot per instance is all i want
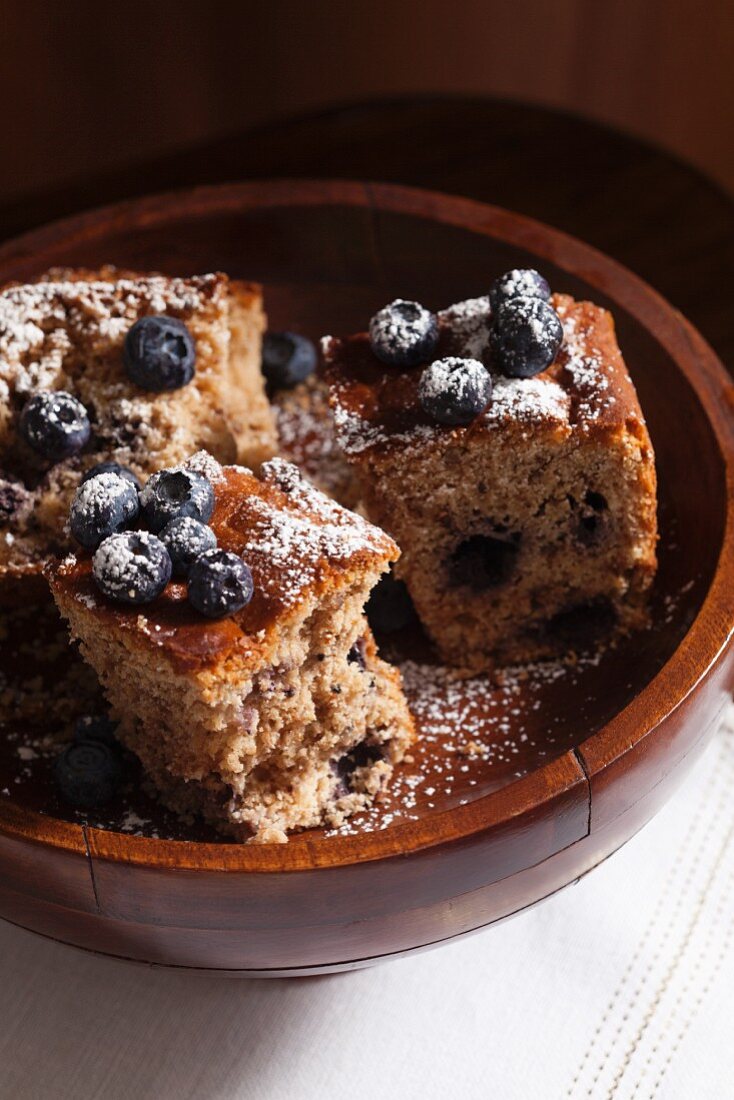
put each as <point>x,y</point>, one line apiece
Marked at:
<point>203,463</point>
<point>583,363</point>
<point>288,547</point>
<point>36,319</point>
<point>471,730</point>
<point>460,377</point>
<point>527,399</point>
<point>468,323</point>
<point>307,437</point>
<point>125,561</point>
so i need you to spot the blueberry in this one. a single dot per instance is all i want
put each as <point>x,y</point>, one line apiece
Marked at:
<point>96,727</point>
<point>101,506</point>
<point>55,424</point>
<point>87,773</point>
<point>525,337</point>
<point>113,468</point>
<point>159,354</point>
<point>170,494</point>
<point>219,584</point>
<point>518,283</point>
<point>185,539</point>
<point>389,607</point>
<point>361,756</point>
<point>287,359</point>
<point>357,655</point>
<point>131,567</point>
<point>403,334</point>
<point>454,391</point>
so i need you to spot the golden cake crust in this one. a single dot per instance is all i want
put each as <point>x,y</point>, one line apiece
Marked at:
<point>296,541</point>
<point>587,389</point>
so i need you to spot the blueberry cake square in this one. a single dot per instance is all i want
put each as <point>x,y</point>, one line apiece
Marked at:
<point>228,632</point>
<point>111,366</point>
<point>502,445</point>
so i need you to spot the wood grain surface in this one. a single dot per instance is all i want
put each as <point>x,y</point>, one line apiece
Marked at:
<point>138,83</point>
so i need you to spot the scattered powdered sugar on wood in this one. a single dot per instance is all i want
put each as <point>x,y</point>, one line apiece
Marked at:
<point>472,733</point>
<point>357,435</point>
<point>469,730</point>
<point>307,437</point>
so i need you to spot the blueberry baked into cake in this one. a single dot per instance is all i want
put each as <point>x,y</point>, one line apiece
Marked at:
<point>502,445</point>
<point>109,366</point>
<point>224,616</point>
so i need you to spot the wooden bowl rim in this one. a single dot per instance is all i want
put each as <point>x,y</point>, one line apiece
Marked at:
<point>692,661</point>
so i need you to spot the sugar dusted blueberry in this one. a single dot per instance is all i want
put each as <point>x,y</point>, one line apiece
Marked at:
<point>113,468</point>
<point>159,354</point>
<point>518,283</point>
<point>87,773</point>
<point>220,583</point>
<point>403,334</point>
<point>287,359</point>
<point>185,539</point>
<point>102,506</point>
<point>55,424</point>
<point>131,567</point>
<point>455,391</point>
<point>525,337</point>
<point>170,494</point>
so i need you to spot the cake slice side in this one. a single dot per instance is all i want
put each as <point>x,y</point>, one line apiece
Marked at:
<point>245,404</point>
<point>532,530</point>
<point>254,720</point>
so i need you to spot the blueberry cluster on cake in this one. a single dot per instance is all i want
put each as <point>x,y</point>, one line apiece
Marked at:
<point>111,366</point>
<point>502,444</point>
<point>224,615</point>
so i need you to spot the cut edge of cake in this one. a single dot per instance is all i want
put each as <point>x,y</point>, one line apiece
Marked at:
<point>530,532</point>
<point>282,716</point>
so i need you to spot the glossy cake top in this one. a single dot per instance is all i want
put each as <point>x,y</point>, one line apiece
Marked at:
<point>297,543</point>
<point>587,388</point>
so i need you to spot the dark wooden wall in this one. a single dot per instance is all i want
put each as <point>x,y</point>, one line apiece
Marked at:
<point>94,84</point>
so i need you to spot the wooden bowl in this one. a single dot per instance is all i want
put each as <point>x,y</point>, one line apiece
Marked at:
<point>604,746</point>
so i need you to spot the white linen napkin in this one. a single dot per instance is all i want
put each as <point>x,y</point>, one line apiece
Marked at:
<point>619,987</point>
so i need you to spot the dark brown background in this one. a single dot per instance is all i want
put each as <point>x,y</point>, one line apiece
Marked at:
<point>92,85</point>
